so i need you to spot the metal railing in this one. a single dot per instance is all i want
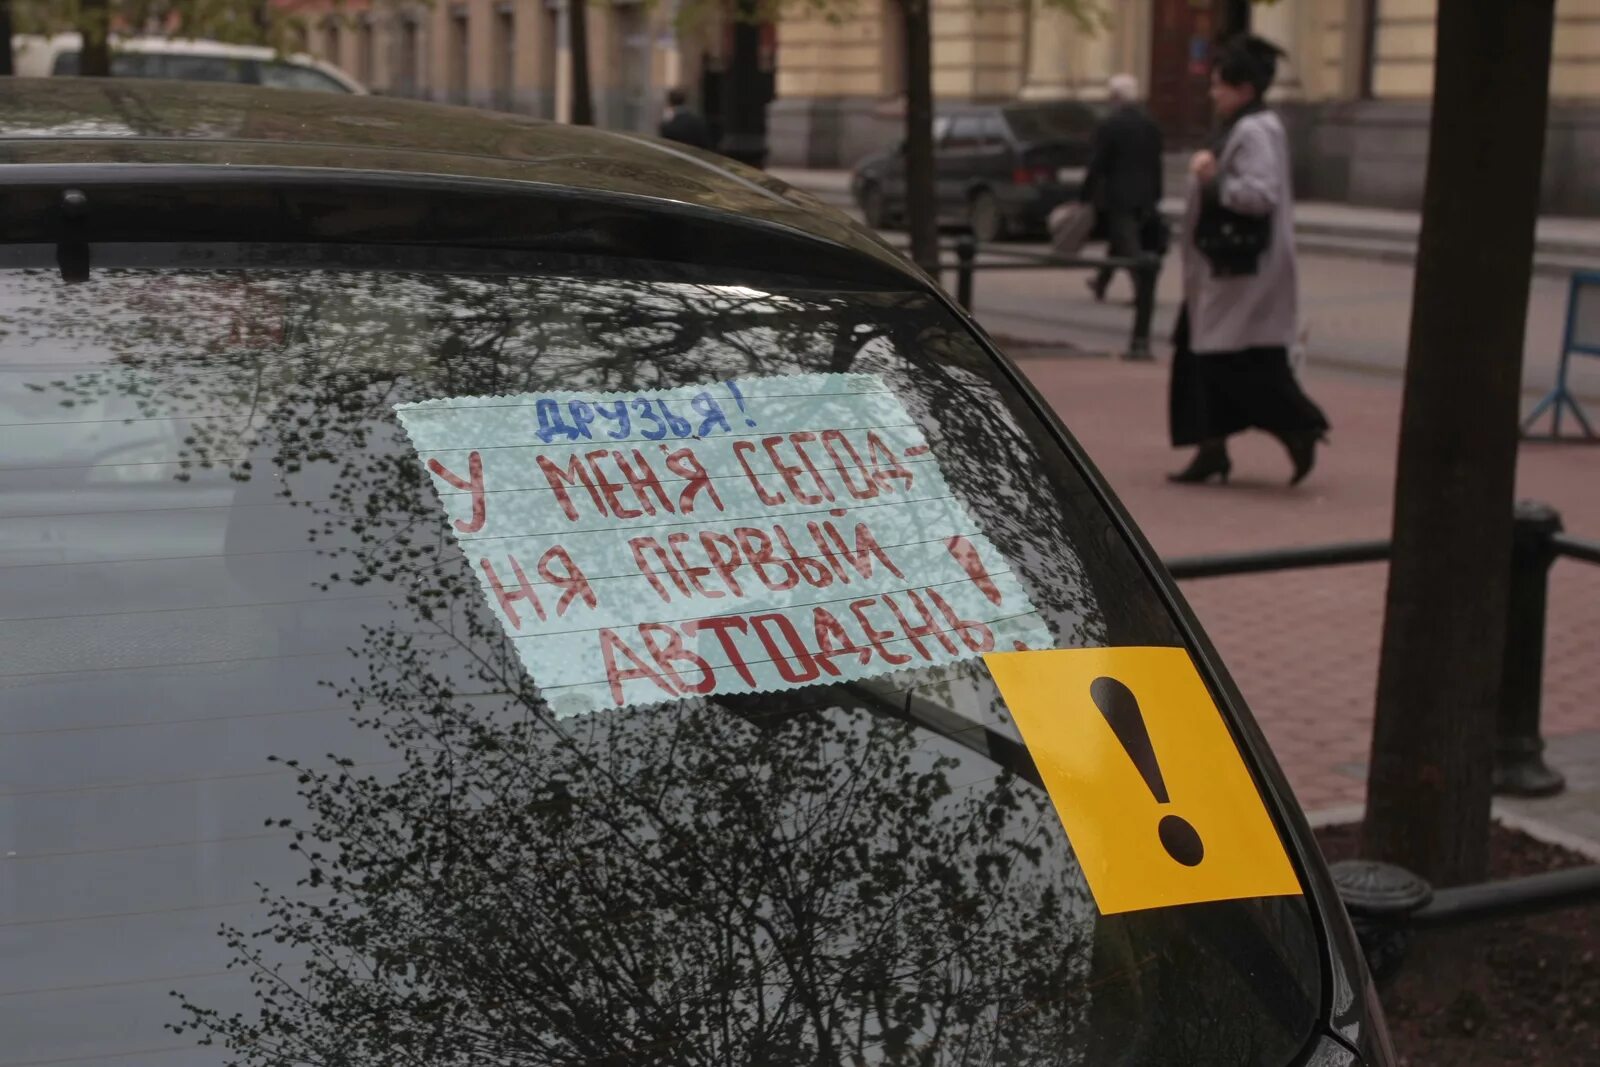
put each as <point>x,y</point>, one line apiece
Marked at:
<point>1537,542</point>
<point>1145,269</point>
<point>1387,902</point>
<point>1279,559</point>
<point>1511,897</point>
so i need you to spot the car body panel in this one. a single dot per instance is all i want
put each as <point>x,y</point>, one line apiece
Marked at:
<point>83,121</point>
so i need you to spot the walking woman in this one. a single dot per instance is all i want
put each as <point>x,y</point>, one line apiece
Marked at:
<point>1230,367</point>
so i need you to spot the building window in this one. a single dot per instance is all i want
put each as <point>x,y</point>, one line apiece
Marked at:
<point>364,52</point>
<point>505,58</point>
<point>332,44</point>
<point>410,51</point>
<point>458,55</point>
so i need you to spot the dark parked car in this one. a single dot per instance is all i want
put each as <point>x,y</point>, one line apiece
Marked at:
<point>478,591</point>
<point>1000,169</point>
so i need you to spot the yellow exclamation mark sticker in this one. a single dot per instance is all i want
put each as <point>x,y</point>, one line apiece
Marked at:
<point>1148,783</point>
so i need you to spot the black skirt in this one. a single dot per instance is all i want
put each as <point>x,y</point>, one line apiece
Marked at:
<point>1221,393</point>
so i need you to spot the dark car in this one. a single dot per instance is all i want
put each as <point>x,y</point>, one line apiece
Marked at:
<point>999,169</point>
<point>478,591</point>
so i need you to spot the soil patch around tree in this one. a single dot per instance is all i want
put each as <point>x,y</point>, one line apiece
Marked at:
<point>1540,1001</point>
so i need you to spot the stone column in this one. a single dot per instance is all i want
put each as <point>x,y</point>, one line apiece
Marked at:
<point>1279,24</point>
<point>481,43</point>
<point>669,50</point>
<point>1130,40</point>
<point>1352,48</point>
<point>1066,61</point>
<point>1048,73</point>
<point>532,28</point>
<point>564,64</point>
<point>602,47</point>
<point>438,67</point>
<point>1094,60</point>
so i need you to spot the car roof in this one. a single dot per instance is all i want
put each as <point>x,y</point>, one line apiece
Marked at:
<point>144,122</point>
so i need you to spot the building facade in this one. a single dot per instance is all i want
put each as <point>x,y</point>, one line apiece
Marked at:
<point>1354,89</point>
<point>509,55</point>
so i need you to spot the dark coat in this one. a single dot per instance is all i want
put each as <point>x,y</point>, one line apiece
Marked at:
<point>687,127</point>
<point>1125,165</point>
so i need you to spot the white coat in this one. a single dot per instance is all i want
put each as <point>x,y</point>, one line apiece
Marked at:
<point>1257,310</point>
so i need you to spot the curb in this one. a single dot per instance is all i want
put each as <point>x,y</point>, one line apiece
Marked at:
<point>1553,258</point>
<point>1538,829</point>
<point>1327,242</point>
<point>1025,348</point>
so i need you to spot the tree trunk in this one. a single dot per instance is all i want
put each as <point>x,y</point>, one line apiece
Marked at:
<point>261,21</point>
<point>94,22</point>
<point>922,205</point>
<point>578,49</point>
<point>5,38</point>
<point>1432,743</point>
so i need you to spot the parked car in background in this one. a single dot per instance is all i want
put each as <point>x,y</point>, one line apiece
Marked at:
<point>366,699</point>
<point>1000,168</point>
<point>183,60</point>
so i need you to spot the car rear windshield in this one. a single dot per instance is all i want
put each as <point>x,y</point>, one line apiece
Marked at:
<point>1052,122</point>
<point>462,659</point>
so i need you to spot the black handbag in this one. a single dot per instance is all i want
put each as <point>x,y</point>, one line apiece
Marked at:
<point>1231,241</point>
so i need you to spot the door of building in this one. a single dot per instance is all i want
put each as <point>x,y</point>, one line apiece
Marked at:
<point>1183,35</point>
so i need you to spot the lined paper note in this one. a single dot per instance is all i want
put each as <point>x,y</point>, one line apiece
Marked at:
<point>750,535</point>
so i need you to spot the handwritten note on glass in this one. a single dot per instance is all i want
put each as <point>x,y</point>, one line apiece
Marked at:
<point>750,535</point>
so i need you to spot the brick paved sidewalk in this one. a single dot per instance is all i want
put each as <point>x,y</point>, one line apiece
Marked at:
<point>1303,645</point>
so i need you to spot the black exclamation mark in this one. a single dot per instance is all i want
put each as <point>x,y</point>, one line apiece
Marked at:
<point>1121,709</point>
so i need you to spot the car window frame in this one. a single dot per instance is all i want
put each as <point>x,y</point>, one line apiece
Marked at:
<point>1244,729</point>
<point>954,135</point>
<point>1083,114</point>
<point>995,130</point>
<point>153,64</point>
<point>172,64</point>
<point>329,84</point>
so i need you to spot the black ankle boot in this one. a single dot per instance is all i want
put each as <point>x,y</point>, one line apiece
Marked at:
<point>1209,462</point>
<point>1302,448</point>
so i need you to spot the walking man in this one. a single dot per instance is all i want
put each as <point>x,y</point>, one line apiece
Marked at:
<point>1124,178</point>
<point>683,123</point>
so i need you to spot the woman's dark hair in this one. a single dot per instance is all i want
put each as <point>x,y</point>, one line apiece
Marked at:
<point>1248,60</point>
